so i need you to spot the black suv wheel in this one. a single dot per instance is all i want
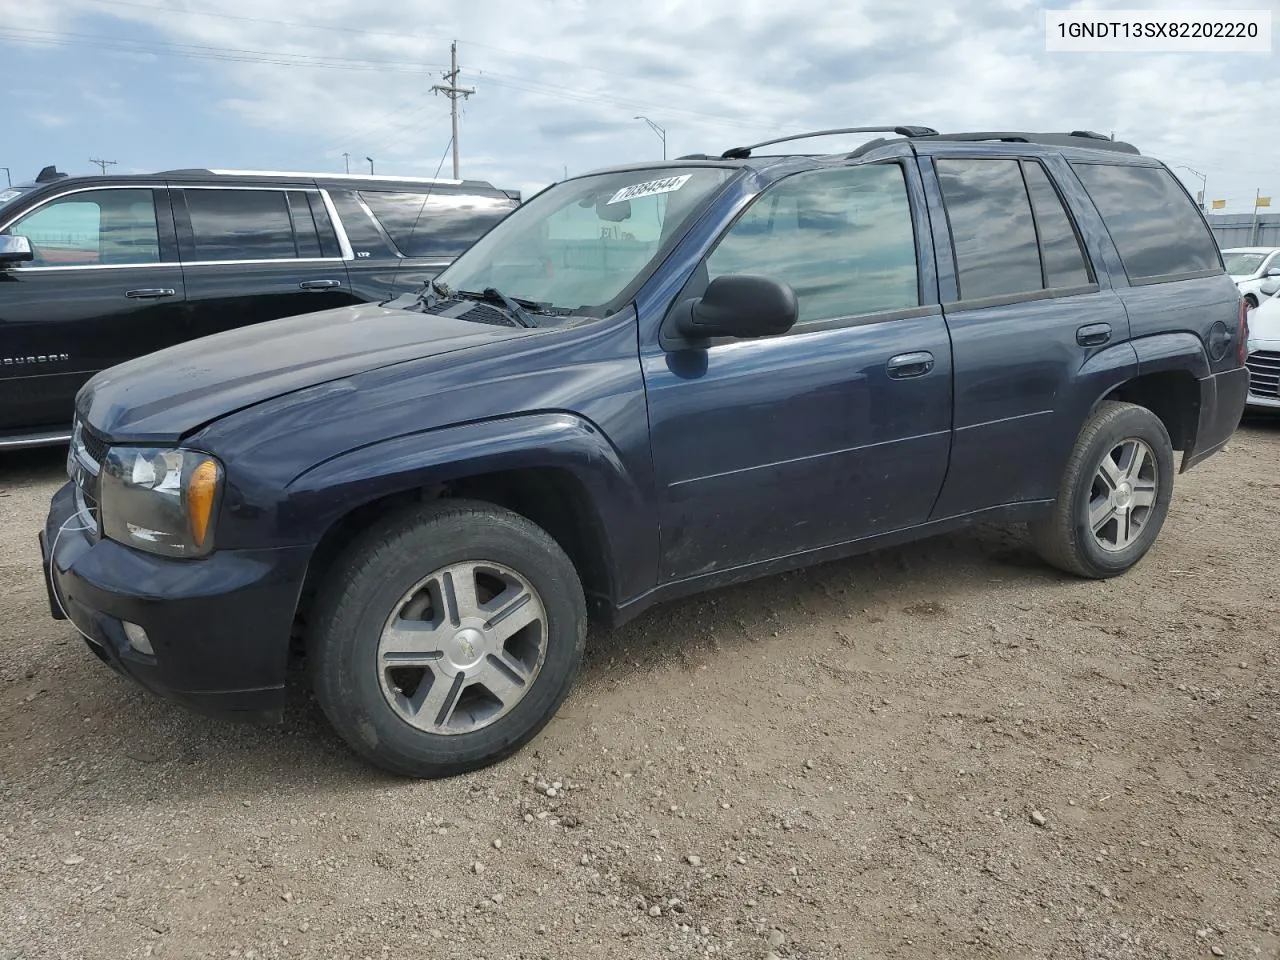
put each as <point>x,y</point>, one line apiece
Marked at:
<point>1114,494</point>
<point>446,638</point>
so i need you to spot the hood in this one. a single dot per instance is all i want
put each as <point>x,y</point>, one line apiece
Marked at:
<point>1264,321</point>
<point>163,395</point>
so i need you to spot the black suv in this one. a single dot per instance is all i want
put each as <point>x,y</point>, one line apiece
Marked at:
<point>646,382</point>
<point>116,267</point>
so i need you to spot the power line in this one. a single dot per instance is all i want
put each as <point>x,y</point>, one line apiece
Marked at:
<point>508,51</point>
<point>103,164</point>
<point>199,52</point>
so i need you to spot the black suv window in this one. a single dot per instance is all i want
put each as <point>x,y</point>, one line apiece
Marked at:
<point>240,225</point>
<point>841,238</point>
<point>1157,229</point>
<point>435,224</point>
<point>1009,228</point>
<point>1060,250</point>
<point>93,228</point>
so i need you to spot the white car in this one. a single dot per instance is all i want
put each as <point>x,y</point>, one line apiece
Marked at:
<point>1264,350</point>
<point>1249,267</point>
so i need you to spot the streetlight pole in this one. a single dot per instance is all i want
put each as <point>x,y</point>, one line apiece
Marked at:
<point>1204,183</point>
<point>370,159</point>
<point>7,177</point>
<point>662,134</point>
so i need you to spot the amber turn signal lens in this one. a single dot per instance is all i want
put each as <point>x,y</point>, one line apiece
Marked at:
<point>200,492</point>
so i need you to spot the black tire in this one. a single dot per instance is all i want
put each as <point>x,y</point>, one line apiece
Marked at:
<point>1251,300</point>
<point>1066,539</point>
<point>363,589</point>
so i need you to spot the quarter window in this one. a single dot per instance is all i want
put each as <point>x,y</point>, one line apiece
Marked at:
<point>842,239</point>
<point>435,224</point>
<point>94,228</point>
<point>1157,229</point>
<point>240,225</point>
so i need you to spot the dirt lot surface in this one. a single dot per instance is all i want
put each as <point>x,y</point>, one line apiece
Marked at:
<point>941,751</point>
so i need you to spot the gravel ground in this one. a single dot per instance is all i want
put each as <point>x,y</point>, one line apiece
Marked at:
<point>944,750</point>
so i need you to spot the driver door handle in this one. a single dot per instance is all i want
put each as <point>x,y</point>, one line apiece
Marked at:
<point>907,365</point>
<point>150,293</point>
<point>320,284</point>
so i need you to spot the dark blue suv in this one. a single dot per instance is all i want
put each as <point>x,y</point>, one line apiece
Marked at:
<point>645,382</point>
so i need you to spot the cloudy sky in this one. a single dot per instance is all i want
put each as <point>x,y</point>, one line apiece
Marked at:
<point>279,84</point>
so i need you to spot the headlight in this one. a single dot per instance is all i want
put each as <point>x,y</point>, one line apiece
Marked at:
<point>161,501</point>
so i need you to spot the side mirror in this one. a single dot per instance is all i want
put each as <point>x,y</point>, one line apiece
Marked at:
<point>1273,271</point>
<point>739,305</point>
<point>15,250</point>
<point>1270,286</point>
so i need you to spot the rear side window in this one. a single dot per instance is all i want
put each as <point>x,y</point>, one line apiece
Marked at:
<point>1060,251</point>
<point>991,227</point>
<point>438,225</point>
<point>368,241</point>
<point>92,228</point>
<point>843,239</point>
<point>1011,233</point>
<point>240,225</point>
<point>1157,230</point>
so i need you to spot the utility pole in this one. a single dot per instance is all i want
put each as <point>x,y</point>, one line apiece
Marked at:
<point>370,159</point>
<point>103,164</point>
<point>453,92</point>
<point>7,176</point>
<point>662,134</point>
<point>346,158</point>
<point>1253,232</point>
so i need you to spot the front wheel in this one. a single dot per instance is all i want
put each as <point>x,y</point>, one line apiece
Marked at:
<point>446,638</point>
<point>1114,494</point>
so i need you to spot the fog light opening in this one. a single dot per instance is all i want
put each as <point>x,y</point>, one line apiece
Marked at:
<point>138,638</point>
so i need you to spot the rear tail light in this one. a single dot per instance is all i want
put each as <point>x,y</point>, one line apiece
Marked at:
<point>1242,335</point>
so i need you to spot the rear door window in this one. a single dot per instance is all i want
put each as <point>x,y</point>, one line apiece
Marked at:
<point>992,229</point>
<point>1060,250</point>
<point>436,225</point>
<point>230,224</point>
<point>1156,227</point>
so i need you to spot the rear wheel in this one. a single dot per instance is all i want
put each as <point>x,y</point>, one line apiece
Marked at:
<point>446,638</point>
<point>1250,300</point>
<point>1114,495</point>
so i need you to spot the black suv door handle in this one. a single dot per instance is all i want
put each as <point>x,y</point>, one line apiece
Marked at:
<point>320,284</point>
<point>907,365</point>
<point>1093,335</point>
<point>150,293</point>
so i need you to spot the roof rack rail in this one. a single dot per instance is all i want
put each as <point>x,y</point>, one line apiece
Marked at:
<point>203,171</point>
<point>1076,138</point>
<point>742,153</point>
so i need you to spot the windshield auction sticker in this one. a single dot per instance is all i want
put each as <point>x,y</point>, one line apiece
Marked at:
<point>651,188</point>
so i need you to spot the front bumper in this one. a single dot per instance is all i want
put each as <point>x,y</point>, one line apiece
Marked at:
<point>219,627</point>
<point>1264,374</point>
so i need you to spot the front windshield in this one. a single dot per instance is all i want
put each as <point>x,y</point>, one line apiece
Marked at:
<point>1243,264</point>
<point>577,247</point>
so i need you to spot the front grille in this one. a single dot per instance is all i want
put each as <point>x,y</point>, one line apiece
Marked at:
<point>1264,374</point>
<point>95,447</point>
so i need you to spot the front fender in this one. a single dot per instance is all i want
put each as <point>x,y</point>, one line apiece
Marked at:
<point>626,518</point>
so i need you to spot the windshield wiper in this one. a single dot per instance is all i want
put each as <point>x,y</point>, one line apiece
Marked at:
<point>517,308</point>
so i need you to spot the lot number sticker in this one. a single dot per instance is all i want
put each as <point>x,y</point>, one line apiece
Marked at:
<point>651,188</point>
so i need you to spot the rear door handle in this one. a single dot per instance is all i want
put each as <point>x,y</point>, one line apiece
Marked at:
<point>907,365</point>
<point>1093,335</point>
<point>320,284</point>
<point>150,293</point>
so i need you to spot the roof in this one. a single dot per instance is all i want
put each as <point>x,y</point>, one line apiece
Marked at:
<point>202,173</point>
